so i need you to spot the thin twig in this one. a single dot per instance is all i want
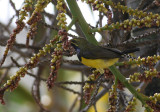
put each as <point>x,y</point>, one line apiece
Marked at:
<point>141,4</point>
<point>36,90</point>
<point>153,4</point>
<point>95,108</point>
<point>14,7</point>
<point>30,74</point>
<point>73,105</point>
<point>72,62</point>
<point>68,89</point>
<point>82,94</point>
<point>142,36</point>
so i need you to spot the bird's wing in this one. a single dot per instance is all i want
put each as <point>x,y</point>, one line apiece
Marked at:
<point>98,52</point>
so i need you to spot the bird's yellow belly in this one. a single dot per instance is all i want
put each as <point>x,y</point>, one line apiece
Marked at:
<point>99,63</point>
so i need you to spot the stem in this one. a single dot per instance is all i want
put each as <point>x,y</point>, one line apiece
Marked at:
<point>82,22</point>
<point>72,23</point>
<point>102,28</point>
<point>127,63</point>
<point>119,76</point>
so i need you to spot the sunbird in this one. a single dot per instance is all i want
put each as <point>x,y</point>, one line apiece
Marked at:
<point>96,56</point>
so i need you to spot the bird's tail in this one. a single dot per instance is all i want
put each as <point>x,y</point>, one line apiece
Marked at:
<point>126,55</point>
<point>130,51</point>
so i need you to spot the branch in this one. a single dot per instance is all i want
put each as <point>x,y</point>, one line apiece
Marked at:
<point>119,76</point>
<point>83,24</point>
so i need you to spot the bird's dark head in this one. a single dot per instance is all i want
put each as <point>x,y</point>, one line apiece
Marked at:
<point>78,43</point>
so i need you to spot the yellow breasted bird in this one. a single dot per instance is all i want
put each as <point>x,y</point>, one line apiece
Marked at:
<point>97,56</point>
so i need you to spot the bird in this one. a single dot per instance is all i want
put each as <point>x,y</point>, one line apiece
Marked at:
<point>96,56</point>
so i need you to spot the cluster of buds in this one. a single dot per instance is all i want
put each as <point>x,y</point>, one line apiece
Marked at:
<point>123,8</point>
<point>10,42</point>
<point>12,83</point>
<point>134,77</point>
<point>146,76</point>
<point>112,99</point>
<point>108,74</point>
<point>97,5</point>
<point>120,86</point>
<point>31,33</point>
<point>35,18</point>
<point>155,98</point>
<point>63,44</point>
<point>88,87</point>
<point>154,102</point>
<point>131,105</point>
<point>61,17</point>
<point>26,8</point>
<point>130,11</point>
<point>128,24</point>
<point>55,64</point>
<point>154,107</point>
<point>39,7</point>
<point>144,19</point>
<point>147,61</point>
<point>20,25</point>
<point>64,39</point>
<point>100,6</point>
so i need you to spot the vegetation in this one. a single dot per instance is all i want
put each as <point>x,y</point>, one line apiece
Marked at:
<point>129,25</point>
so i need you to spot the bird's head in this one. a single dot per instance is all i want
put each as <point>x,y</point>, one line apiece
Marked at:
<point>78,43</point>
